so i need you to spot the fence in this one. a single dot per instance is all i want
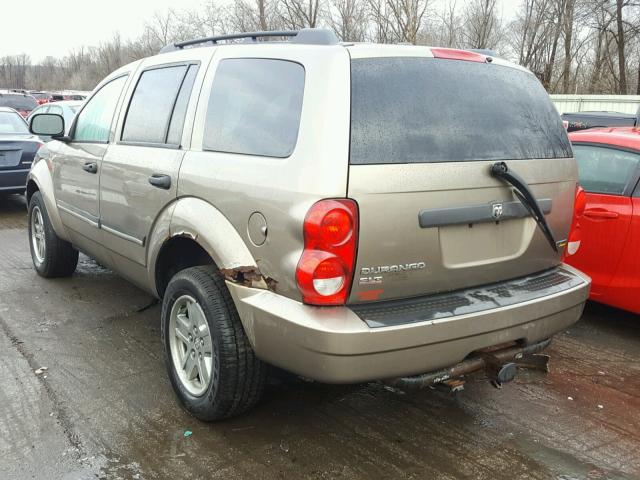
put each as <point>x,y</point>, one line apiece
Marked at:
<point>602,103</point>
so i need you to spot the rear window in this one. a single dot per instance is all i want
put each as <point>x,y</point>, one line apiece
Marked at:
<point>419,110</point>
<point>12,123</point>
<point>606,170</point>
<point>18,102</point>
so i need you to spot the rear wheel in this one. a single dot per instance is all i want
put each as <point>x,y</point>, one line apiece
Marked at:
<point>210,362</point>
<point>52,256</point>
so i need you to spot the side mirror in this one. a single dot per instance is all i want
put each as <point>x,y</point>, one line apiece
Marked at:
<point>49,124</point>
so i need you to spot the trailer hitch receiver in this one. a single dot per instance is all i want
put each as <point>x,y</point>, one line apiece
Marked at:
<point>499,364</point>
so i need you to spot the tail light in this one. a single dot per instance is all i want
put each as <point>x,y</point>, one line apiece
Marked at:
<point>575,234</point>
<point>325,270</point>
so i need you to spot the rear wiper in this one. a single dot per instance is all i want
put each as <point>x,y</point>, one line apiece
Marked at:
<point>521,190</point>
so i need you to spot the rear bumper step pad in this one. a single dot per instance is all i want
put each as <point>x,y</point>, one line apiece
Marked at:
<point>472,300</point>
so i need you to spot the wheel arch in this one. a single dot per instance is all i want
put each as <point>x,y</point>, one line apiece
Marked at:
<point>193,232</point>
<point>39,180</point>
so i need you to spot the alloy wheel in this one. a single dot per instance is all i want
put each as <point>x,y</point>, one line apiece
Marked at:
<point>190,344</point>
<point>38,239</point>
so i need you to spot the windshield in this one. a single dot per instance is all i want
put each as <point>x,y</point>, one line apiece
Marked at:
<point>12,123</point>
<point>418,110</point>
<point>18,102</point>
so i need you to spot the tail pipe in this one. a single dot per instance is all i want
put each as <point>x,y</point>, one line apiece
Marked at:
<point>499,365</point>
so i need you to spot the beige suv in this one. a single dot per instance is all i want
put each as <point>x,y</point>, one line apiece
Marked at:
<point>347,212</point>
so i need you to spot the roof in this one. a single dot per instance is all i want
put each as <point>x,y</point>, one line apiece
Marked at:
<point>626,137</point>
<point>17,94</point>
<point>600,114</point>
<point>314,37</point>
<point>8,110</point>
<point>68,103</point>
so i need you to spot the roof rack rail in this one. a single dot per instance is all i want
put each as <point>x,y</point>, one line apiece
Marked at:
<point>313,36</point>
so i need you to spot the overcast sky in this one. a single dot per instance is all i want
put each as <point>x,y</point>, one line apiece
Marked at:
<point>53,28</point>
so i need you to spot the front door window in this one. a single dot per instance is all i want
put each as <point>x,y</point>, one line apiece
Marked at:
<point>94,121</point>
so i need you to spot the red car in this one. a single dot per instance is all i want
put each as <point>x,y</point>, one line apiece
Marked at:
<point>609,171</point>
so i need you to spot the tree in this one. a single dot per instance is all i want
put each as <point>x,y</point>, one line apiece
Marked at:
<point>482,26</point>
<point>297,14</point>
<point>572,45</point>
<point>348,19</point>
<point>449,26</point>
<point>254,15</point>
<point>398,21</point>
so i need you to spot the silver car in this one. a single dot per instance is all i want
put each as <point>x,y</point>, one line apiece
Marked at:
<point>67,109</point>
<point>347,212</point>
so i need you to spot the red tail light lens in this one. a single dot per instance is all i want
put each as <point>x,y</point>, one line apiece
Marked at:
<point>325,270</point>
<point>575,234</point>
<point>581,202</point>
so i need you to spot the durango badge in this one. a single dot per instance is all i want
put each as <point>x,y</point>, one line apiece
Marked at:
<point>371,275</point>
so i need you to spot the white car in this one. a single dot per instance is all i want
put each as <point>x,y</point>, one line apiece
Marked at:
<point>66,109</point>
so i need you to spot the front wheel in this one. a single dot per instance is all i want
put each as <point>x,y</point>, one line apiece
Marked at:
<point>51,255</point>
<point>210,362</point>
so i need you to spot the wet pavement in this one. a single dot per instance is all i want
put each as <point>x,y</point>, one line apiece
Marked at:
<point>104,407</point>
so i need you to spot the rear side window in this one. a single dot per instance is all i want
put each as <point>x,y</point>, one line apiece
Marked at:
<point>418,110</point>
<point>606,170</point>
<point>255,107</point>
<point>153,103</point>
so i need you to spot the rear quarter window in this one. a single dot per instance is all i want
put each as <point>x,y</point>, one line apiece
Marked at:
<point>255,107</point>
<point>416,110</point>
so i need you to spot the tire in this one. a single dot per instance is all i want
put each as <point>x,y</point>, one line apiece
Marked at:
<point>57,257</point>
<point>236,377</point>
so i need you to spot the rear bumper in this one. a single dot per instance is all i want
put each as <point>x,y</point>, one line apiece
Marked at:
<point>335,345</point>
<point>13,181</point>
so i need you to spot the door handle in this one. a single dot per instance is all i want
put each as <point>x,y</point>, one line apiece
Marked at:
<point>601,214</point>
<point>160,181</point>
<point>91,167</point>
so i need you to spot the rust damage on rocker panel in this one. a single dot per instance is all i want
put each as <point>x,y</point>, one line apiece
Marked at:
<point>249,276</point>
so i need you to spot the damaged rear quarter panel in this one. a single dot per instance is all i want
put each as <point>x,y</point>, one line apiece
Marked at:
<point>202,222</point>
<point>281,189</point>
